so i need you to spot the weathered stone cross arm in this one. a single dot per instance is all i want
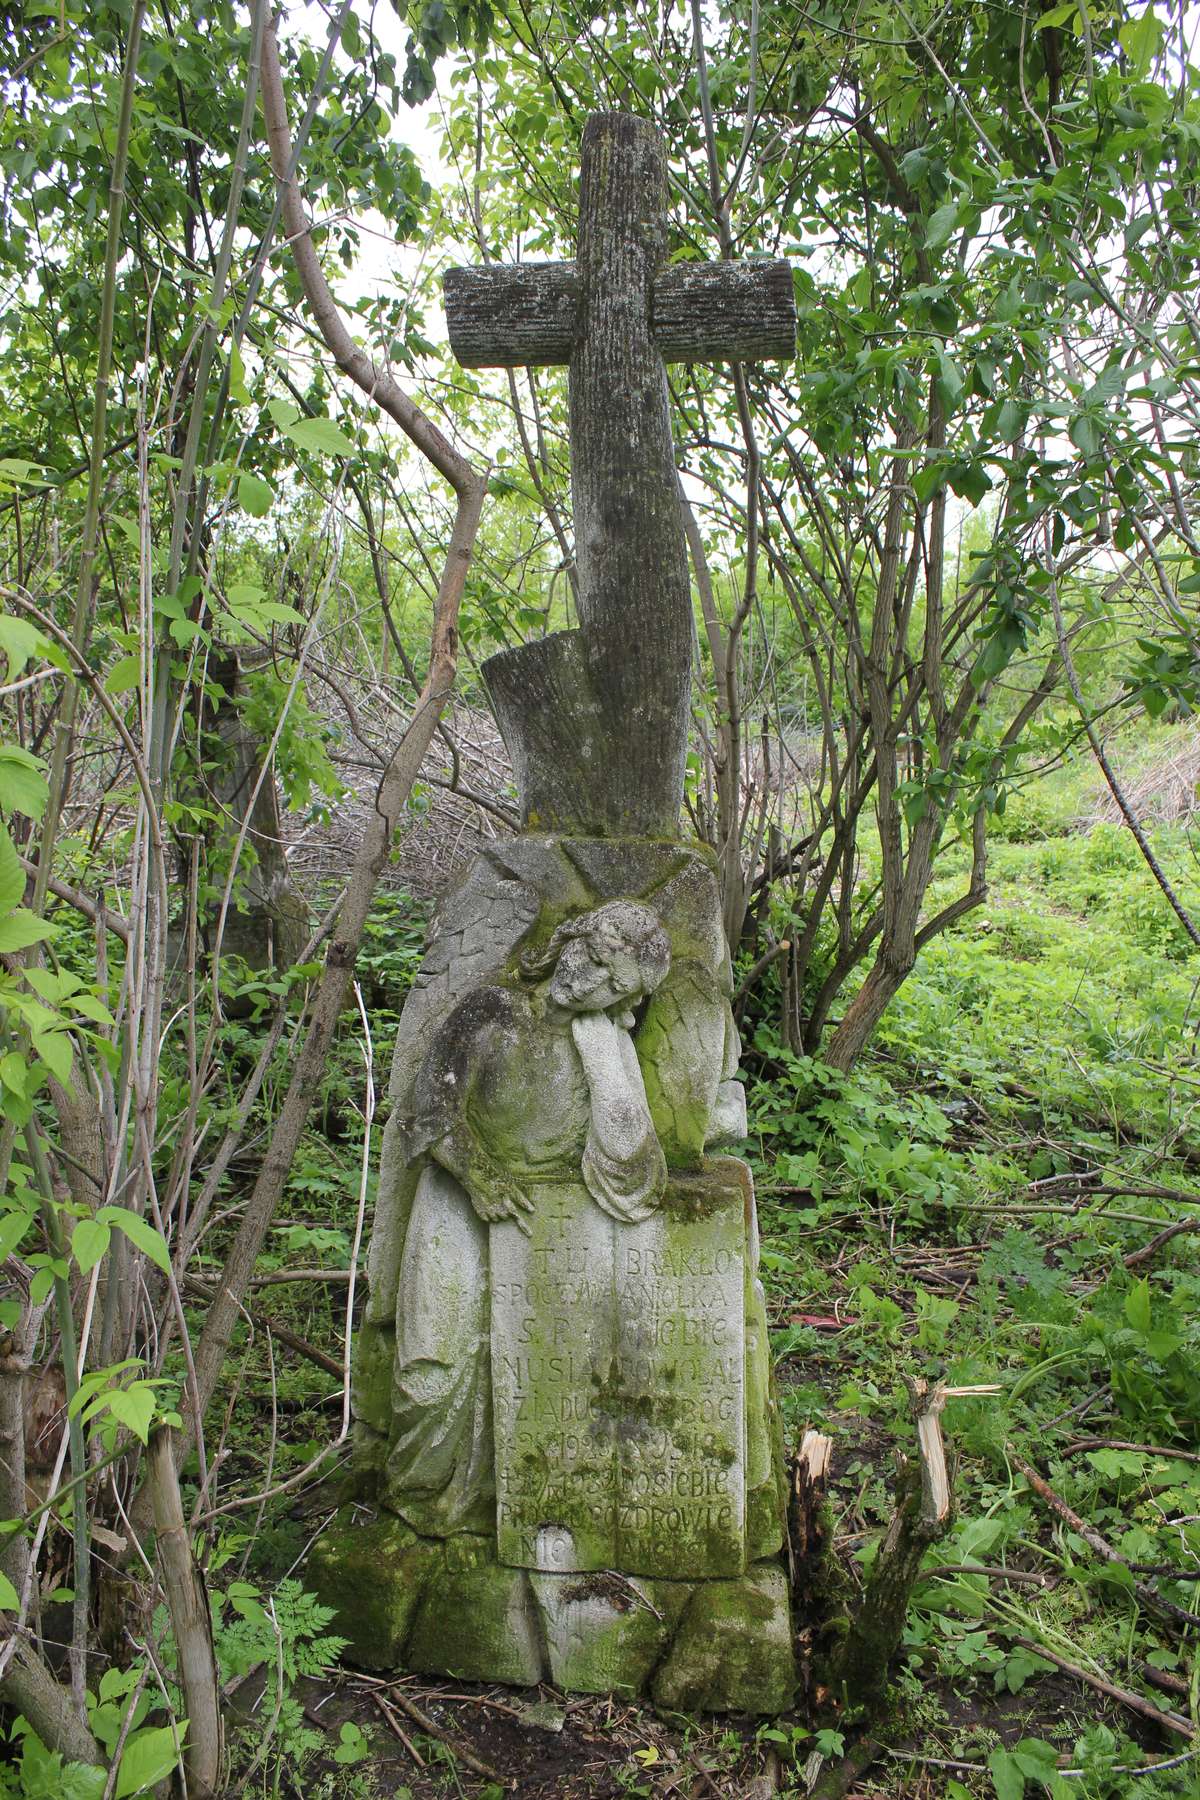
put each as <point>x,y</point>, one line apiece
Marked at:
<point>523,315</point>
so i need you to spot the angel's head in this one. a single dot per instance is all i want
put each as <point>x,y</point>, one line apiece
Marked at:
<point>613,956</point>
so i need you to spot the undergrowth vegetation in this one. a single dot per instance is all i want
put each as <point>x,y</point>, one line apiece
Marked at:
<point>1003,1194</point>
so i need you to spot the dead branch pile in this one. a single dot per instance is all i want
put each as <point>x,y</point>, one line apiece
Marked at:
<point>1163,789</point>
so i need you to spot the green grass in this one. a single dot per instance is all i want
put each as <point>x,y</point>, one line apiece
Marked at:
<point>928,1206</point>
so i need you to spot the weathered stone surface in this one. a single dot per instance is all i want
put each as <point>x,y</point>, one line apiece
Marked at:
<point>733,1650</point>
<point>476,1620</point>
<point>618,1380</point>
<point>439,1473</point>
<point>580,1416</point>
<point>374,1572</point>
<point>603,1632</point>
<point>449,1608</point>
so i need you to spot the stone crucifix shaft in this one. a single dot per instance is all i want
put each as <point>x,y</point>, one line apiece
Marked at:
<point>596,721</point>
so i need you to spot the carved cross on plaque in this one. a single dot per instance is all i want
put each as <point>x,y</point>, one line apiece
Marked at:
<point>596,720</point>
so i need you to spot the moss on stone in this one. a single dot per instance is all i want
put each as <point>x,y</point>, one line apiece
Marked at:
<point>374,1355</point>
<point>374,1572</point>
<point>604,1633</point>
<point>733,1650</point>
<point>478,1623</point>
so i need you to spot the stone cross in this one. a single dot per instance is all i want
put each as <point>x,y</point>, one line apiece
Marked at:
<point>596,720</point>
<point>562,1386</point>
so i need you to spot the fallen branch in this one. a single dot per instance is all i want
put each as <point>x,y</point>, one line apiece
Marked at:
<point>320,1358</point>
<point>1137,1257</point>
<point>424,1723</point>
<point>278,1277</point>
<point>1097,1443</point>
<point>1135,1702</point>
<point>1092,1538</point>
<point>94,910</point>
<point>1033,1577</point>
<point>395,1725</point>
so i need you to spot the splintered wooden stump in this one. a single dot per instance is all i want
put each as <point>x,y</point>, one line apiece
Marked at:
<point>596,721</point>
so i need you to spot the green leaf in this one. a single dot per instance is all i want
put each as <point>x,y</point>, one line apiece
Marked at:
<point>1007,1778</point>
<point>148,1758</point>
<point>353,1747</point>
<point>139,1231</point>
<point>238,391</point>
<point>320,435</point>
<point>13,1226</point>
<point>1058,15</point>
<point>244,598</point>
<point>54,1048</point>
<point>1085,433</point>
<point>10,1600</point>
<point>22,928</point>
<point>12,875</point>
<point>134,1406</point>
<point>940,226</point>
<point>23,787</point>
<point>40,1286</point>
<point>1011,420</point>
<point>124,674</point>
<point>950,379</point>
<point>18,471</point>
<point>1137,1306</point>
<point>927,481</point>
<point>1141,38</point>
<point>970,480</point>
<point>89,1241</point>
<point>21,642</point>
<point>255,496</point>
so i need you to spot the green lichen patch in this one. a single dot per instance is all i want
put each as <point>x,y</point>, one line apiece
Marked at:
<point>478,1623</point>
<point>733,1650</point>
<point>374,1572</point>
<point>719,1186</point>
<point>375,1353</point>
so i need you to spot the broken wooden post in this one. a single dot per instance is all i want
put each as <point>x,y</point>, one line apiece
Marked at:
<point>922,1516</point>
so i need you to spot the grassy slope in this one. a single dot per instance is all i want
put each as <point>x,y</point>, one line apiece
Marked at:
<point>931,1205</point>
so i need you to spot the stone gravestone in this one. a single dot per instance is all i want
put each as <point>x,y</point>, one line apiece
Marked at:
<point>568,1456</point>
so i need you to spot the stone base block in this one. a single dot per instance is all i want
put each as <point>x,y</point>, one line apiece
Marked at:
<point>375,1573</point>
<point>733,1651</point>
<point>448,1608</point>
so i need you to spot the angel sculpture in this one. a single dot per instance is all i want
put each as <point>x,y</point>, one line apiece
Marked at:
<point>526,1089</point>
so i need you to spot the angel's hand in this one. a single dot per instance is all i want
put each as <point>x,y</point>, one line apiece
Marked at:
<point>494,1197</point>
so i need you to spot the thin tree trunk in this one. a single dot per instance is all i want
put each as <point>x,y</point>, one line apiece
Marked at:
<point>191,1623</point>
<point>28,1685</point>
<point>394,787</point>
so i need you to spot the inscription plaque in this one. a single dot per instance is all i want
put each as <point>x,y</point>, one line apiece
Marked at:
<point>618,1383</point>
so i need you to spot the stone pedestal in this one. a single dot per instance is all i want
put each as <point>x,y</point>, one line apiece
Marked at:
<point>448,1608</point>
<point>568,1453</point>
